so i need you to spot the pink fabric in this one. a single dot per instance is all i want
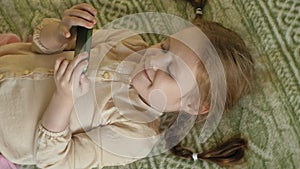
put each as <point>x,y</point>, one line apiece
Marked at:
<point>8,38</point>
<point>5,164</point>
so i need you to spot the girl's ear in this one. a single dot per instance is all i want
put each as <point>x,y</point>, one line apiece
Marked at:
<point>204,108</point>
<point>194,110</point>
<point>191,103</point>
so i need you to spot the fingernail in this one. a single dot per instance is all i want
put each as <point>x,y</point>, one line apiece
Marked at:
<point>67,35</point>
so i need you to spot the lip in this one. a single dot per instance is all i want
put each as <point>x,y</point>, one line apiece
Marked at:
<point>147,75</point>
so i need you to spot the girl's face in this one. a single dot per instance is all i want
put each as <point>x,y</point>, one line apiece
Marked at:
<point>166,74</point>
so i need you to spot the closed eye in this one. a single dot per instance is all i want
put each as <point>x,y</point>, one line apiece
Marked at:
<point>172,68</point>
<point>163,49</point>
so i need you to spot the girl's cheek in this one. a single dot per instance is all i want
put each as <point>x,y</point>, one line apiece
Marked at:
<point>158,100</point>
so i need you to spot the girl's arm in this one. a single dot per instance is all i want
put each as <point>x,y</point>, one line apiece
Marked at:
<point>57,147</point>
<point>56,35</point>
<point>101,146</point>
<point>70,84</point>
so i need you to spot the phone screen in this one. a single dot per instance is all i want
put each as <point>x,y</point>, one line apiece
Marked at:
<point>83,41</point>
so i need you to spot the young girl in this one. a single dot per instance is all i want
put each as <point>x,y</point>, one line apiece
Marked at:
<point>50,118</point>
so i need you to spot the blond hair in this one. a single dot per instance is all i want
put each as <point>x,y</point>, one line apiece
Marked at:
<point>236,59</point>
<point>239,71</point>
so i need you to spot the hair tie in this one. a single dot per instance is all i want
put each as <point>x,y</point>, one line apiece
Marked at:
<point>195,156</point>
<point>199,11</point>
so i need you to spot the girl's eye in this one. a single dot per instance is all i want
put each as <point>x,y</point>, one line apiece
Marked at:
<point>163,49</point>
<point>170,71</point>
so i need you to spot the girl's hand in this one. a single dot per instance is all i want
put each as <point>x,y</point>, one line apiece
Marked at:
<point>69,79</point>
<point>79,15</point>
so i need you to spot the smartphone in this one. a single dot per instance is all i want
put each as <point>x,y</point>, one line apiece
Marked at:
<point>83,41</point>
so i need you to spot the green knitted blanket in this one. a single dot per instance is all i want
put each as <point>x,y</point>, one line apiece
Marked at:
<point>269,117</point>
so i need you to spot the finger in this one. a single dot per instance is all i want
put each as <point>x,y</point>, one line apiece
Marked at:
<point>81,14</point>
<point>75,21</point>
<point>73,64</point>
<point>64,31</point>
<point>62,69</point>
<point>78,72</point>
<point>85,83</point>
<point>84,79</point>
<point>57,64</point>
<point>87,7</point>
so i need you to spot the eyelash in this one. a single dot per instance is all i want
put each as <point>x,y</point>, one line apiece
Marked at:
<point>170,73</point>
<point>163,49</point>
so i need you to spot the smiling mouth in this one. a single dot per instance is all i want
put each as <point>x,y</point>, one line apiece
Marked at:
<point>146,74</point>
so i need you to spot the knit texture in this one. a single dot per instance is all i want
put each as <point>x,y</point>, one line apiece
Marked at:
<point>269,117</point>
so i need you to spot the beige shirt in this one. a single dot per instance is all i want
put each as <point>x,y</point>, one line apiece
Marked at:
<point>109,126</point>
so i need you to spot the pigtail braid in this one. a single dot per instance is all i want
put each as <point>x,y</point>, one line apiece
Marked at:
<point>239,67</point>
<point>228,153</point>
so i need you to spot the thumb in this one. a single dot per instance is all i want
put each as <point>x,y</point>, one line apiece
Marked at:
<point>85,83</point>
<point>84,79</point>
<point>64,31</point>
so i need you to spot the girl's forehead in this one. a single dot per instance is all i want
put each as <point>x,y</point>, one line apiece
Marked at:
<point>192,38</point>
<point>185,63</point>
<point>183,53</point>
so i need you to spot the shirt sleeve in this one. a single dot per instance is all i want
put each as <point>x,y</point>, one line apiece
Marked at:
<point>109,36</point>
<point>37,45</point>
<point>115,144</point>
